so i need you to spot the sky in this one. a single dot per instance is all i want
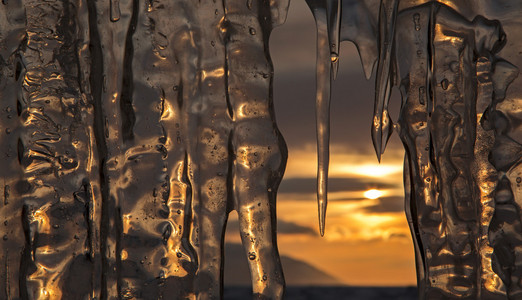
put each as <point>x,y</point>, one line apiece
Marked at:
<point>367,241</point>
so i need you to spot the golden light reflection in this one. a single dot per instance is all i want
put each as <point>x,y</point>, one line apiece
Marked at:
<point>216,73</point>
<point>124,255</point>
<point>40,216</point>
<point>50,292</point>
<point>114,97</point>
<point>126,223</point>
<point>167,112</point>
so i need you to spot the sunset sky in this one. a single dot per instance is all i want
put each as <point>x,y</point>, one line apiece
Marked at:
<point>367,241</point>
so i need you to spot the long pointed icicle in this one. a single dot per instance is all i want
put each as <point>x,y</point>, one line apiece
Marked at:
<point>327,17</point>
<point>382,126</point>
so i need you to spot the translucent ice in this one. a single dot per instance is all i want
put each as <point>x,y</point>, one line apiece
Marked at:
<point>132,128</point>
<point>336,20</point>
<point>456,64</point>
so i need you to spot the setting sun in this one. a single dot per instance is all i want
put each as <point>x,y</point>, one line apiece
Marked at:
<point>373,194</point>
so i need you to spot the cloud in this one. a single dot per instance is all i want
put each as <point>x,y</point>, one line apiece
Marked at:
<point>386,205</point>
<point>308,185</point>
<point>283,227</point>
<point>399,236</point>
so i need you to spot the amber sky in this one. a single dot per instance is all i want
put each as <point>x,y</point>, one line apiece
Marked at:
<point>367,242</point>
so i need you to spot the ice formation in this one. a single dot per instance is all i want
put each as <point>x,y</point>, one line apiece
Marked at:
<point>130,129</point>
<point>456,66</point>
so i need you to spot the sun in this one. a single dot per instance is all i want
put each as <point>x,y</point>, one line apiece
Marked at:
<point>373,194</point>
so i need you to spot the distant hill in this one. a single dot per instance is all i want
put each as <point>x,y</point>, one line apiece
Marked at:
<point>296,272</point>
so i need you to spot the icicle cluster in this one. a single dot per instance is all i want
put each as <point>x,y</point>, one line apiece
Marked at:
<point>459,122</point>
<point>130,130</point>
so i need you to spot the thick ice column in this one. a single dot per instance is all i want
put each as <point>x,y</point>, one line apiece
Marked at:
<point>258,149</point>
<point>440,125</point>
<point>130,130</point>
<point>58,187</point>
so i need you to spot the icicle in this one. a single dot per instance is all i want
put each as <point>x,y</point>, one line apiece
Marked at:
<point>327,18</point>
<point>382,126</point>
<point>358,26</point>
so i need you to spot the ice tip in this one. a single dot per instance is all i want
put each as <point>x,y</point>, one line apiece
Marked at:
<point>377,143</point>
<point>322,216</point>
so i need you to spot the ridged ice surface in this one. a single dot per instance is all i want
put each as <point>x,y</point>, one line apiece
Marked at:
<point>456,64</point>
<point>129,130</point>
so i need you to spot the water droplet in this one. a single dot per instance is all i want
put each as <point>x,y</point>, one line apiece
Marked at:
<point>164,261</point>
<point>249,4</point>
<point>444,84</point>
<point>5,237</point>
<point>251,255</point>
<point>252,31</point>
<point>179,254</point>
<point>334,57</point>
<point>519,180</point>
<point>115,10</point>
<point>265,277</point>
<point>213,43</point>
<point>8,130</point>
<point>416,21</point>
